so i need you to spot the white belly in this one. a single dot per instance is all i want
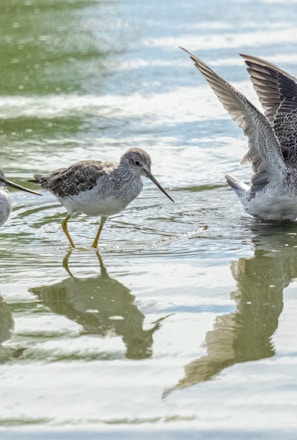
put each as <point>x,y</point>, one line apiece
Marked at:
<point>277,207</point>
<point>92,203</point>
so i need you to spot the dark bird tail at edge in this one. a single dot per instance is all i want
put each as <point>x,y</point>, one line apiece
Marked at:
<point>37,178</point>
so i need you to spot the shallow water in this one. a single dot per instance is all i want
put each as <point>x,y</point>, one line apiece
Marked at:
<point>184,323</point>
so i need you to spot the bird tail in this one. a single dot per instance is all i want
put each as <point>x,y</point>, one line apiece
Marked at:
<point>239,187</point>
<point>37,179</point>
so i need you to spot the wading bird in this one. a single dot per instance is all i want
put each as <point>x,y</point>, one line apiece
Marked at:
<point>272,194</point>
<point>99,188</point>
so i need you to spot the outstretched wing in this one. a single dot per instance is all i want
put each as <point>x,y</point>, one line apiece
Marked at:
<point>264,150</point>
<point>277,92</point>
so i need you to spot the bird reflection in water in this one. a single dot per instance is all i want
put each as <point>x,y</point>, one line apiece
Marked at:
<point>246,334</point>
<point>102,306</point>
<point>6,329</point>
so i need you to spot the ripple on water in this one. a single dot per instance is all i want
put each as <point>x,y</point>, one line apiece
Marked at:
<point>171,318</point>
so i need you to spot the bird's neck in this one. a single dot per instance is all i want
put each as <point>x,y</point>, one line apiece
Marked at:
<point>125,174</point>
<point>127,181</point>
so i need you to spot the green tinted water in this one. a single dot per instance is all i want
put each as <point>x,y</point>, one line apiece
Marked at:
<point>171,327</point>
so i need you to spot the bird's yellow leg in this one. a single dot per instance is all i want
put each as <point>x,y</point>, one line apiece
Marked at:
<point>65,229</point>
<point>95,242</point>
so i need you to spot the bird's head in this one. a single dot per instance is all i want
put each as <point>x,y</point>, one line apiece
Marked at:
<point>139,163</point>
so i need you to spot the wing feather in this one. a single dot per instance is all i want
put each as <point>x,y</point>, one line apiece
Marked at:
<point>79,177</point>
<point>264,149</point>
<point>277,92</point>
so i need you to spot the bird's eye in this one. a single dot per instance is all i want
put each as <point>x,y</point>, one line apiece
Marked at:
<point>137,163</point>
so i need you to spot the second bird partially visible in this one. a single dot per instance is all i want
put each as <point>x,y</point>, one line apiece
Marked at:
<point>272,193</point>
<point>5,198</point>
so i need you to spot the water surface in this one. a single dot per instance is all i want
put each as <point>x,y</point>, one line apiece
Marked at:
<point>183,324</point>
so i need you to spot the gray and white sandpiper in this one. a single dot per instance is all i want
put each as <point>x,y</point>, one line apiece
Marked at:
<point>272,146</point>
<point>5,198</point>
<point>99,188</point>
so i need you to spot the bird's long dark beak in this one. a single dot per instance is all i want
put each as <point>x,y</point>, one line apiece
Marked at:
<point>154,180</point>
<point>16,186</point>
